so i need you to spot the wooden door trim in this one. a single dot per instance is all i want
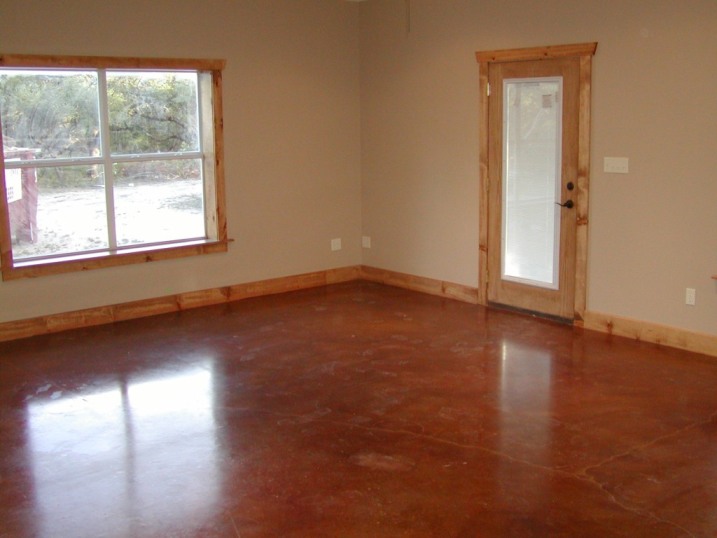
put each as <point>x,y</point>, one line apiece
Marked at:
<point>585,52</point>
<point>536,53</point>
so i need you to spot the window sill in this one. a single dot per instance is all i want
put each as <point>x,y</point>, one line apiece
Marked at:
<point>86,262</point>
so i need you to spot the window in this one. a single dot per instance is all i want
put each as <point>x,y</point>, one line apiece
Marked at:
<point>108,161</point>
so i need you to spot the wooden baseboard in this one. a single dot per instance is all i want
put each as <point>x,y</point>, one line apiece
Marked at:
<point>651,332</point>
<point>441,288</point>
<point>14,330</point>
<point>596,321</point>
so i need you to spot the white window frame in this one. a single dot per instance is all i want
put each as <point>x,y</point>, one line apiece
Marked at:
<point>210,152</point>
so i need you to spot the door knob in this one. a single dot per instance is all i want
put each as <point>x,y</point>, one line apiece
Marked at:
<point>569,204</point>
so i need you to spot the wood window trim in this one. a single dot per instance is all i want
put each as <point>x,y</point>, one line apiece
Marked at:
<point>216,225</point>
<point>109,62</point>
<point>585,51</point>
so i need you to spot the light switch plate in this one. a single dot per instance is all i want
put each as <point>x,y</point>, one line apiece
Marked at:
<point>616,165</point>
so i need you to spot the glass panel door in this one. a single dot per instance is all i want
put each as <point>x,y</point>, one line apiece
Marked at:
<point>534,164</point>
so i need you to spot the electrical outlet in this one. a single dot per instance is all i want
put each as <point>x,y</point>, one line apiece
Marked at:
<point>366,241</point>
<point>336,244</point>
<point>690,296</point>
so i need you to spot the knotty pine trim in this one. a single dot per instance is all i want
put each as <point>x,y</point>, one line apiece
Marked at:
<point>87,263</point>
<point>484,184</point>
<point>101,315</point>
<point>594,321</point>
<point>5,235</point>
<point>13,330</point>
<point>536,53</point>
<point>109,62</point>
<point>421,284</point>
<point>583,186</point>
<point>606,323</point>
<point>654,333</point>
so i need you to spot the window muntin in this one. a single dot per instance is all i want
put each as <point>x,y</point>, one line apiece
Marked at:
<point>124,160</point>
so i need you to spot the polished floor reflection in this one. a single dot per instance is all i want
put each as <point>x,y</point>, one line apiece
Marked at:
<point>355,410</point>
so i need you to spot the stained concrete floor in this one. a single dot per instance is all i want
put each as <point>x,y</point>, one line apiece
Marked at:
<point>355,410</point>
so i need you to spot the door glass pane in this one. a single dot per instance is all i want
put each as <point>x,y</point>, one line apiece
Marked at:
<point>532,115</point>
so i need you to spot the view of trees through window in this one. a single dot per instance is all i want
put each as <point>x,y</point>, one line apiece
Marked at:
<point>101,159</point>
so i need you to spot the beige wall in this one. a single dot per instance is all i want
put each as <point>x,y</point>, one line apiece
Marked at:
<point>338,124</point>
<point>653,232</point>
<point>292,133</point>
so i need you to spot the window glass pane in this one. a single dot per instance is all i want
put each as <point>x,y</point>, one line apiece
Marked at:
<point>53,113</point>
<point>152,112</point>
<point>62,210</point>
<point>158,201</point>
<point>532,156</point>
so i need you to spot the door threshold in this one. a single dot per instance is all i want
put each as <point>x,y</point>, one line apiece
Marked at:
<point>531,313</point>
